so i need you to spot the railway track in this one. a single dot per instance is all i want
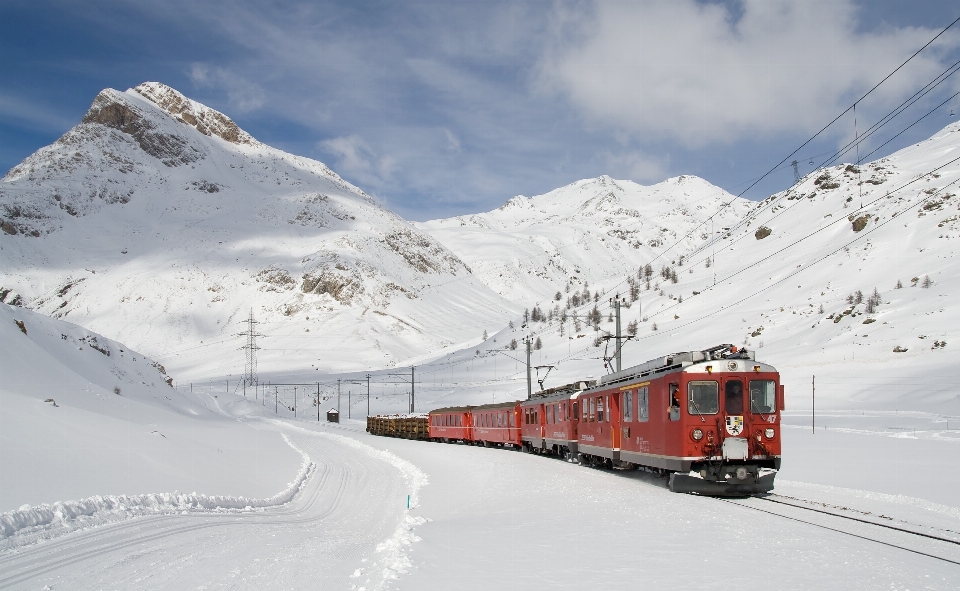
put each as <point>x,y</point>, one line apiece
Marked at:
<point>938,547</point>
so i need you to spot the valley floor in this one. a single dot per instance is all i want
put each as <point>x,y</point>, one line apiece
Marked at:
<point>484,518</point>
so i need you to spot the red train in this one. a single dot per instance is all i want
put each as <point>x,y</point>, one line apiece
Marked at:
<point>709,419</point>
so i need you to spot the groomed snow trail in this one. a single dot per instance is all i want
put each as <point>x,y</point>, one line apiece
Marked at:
<point>347,528</point>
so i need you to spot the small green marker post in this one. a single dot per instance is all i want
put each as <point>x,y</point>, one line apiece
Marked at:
<point>408,502</point>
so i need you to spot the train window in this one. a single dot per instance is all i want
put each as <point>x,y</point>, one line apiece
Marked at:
<point>643,403</point>
<point>576,409</point>
<point>628,406</point>
<point>703,398</point>
<point>600,409</point>
<point>763,396</point>
<point>513,419</point>
<point>586,415</point>
<point>733,397</point>
<point>553,414</point>
<point>593,409</point>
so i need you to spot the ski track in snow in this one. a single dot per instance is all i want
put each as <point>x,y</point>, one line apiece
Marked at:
<point>377,556</point>
<point>27,524</point>
<point>392,555</point>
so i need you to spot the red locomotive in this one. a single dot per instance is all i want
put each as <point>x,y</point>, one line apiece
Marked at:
<point>709,419</point>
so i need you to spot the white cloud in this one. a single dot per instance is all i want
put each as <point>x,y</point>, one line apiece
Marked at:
<point>357,160</point>
<point>636,166</point>
<point>243,95</point>
<point>692,72</point>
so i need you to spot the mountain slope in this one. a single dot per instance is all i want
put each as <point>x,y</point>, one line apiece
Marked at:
<point>159,222</point>
<point>793,278</point>
<point>589,232</point>
<point>86,415</point>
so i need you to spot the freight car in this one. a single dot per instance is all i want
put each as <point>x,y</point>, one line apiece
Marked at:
<point>709,420</point>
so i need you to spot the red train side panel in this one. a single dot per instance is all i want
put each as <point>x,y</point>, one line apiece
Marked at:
<point>450,424</point>
<point>496,424</point>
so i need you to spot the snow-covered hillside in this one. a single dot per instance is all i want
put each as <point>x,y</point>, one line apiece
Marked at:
<point>794,278</point>
<point>159,222</point>
<point>591,231</point>
<point>84,415</point>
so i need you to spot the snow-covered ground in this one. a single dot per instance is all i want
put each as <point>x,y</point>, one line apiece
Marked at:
<point>279,502</point>
<point>488,518</point>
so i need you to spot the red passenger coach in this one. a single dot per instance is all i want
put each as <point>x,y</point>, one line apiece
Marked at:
<point>450,424</point>
<point>496,424</point>
<point>549,421</point>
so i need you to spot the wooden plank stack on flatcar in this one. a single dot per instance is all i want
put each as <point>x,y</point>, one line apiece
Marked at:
<point>403,426</point>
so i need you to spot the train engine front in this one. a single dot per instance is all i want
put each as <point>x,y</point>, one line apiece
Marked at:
<point>729,405</point>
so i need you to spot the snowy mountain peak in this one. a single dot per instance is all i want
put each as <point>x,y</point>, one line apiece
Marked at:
<point>206,120</point>
<point>158,215</point>
<point>518,201</point>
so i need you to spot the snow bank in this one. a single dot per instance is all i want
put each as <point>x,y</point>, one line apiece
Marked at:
<point>29,524</point>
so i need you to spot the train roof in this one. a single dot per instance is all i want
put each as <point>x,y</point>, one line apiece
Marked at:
<point>469,408</point>
<point>686,359</point>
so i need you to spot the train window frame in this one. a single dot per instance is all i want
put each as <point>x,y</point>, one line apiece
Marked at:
<point>593,409</point>
<point>698,408</point>
<point>643,412</point>
<point>773,394</point>
<point>627,404</point>
<point>600,408</point>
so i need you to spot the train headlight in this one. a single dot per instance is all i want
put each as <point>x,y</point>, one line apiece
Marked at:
<point>697,434</point>
<point>769,433</point>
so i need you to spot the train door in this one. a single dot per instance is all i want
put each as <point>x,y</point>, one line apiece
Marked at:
<point>659,409</point>
<point>733,406</point>
<point>614,414</point>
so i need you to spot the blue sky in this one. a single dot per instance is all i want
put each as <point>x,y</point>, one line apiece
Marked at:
<point>445,108</point>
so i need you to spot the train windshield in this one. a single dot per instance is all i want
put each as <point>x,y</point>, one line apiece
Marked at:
<point>763,396</point>
<point>703,398</point>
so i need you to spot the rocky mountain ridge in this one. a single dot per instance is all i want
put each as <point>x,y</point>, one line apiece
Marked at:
<point>159,222</point>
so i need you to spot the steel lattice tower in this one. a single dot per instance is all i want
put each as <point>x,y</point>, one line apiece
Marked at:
<point>250,369</point>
